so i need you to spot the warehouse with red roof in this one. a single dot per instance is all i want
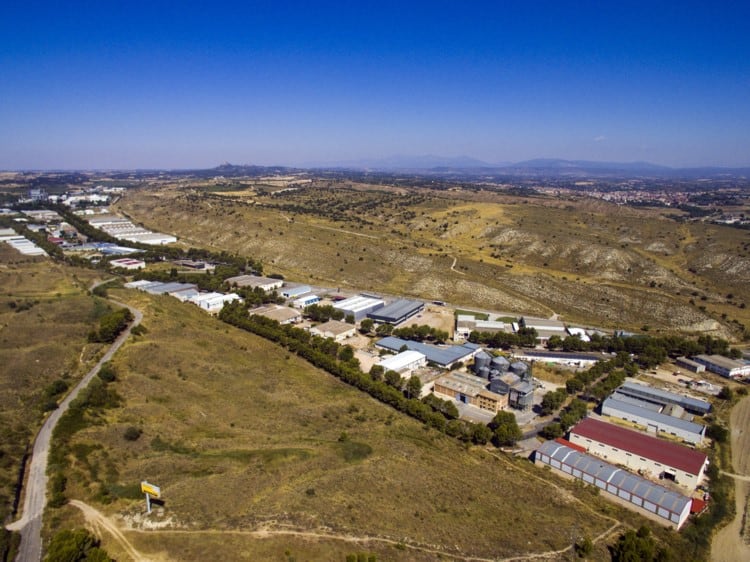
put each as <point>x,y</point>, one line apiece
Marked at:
<point>649,456</point>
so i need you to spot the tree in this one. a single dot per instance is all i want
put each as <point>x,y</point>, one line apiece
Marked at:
<point>349,319</point>
<point>74,546</point>
<point>413,387</point>
<point>505,429</point>
<point>393,379</point>
<point>377,372</point>
<point>480,434</point>
<point>384,330</point>
<point>366,325</point>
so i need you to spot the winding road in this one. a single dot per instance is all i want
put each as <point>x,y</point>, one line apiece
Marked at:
<point>35,497</point>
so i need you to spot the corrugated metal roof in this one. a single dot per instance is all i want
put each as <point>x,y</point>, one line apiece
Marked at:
<point>439,355</point>
<point>661,419</point>
<point>630,387</point>
<point>659,450</point>
<point>397,310</point>
<point>658,495</point>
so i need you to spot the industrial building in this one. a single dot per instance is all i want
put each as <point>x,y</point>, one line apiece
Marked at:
<point>167,288</point>
<point>281,314</point>
<point>213,302</point>
<point>724,366</point>
<point>124,229</point>
<point>690,365</point>
<point>647,498</point>
<point>543,325</point>
<point>293,291</point>
<point>467,323</point>
<point>397,311</point>
<point>661,397</point>
<point>335,329</point>
<point>559,357</point>
<point>404,362</point>
<point>642,453</point>
<point>441,356</point>
<point>469,389</point>
<point>20,244</point>
<point>653,420</point>
<point>266,284</point>
<point>359,306</point>
<point>305,301</point>
<point>128,263</point>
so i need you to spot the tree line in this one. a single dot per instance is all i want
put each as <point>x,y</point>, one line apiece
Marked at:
<point>334,358</point>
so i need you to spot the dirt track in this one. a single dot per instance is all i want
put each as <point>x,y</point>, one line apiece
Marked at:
<point>728,544</point>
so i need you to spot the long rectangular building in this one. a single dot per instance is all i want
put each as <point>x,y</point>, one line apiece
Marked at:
<point>639,452</point>
<point>442,356</point>
<point>397,311</point>
<point>359,306</point>
<point>724,366</point>
<point>654,421</point>
<point>647,498</point>
<point>469,389</point>
<point>664,397</point>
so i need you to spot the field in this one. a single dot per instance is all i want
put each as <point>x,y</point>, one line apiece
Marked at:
<point>45,315</point>
<point>588,261</point>
<point>257,453</point>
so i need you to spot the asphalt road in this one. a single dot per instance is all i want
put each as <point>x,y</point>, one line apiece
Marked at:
<point>35,498</point>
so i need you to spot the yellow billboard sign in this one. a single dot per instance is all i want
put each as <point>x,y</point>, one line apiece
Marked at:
<point>150,489</point>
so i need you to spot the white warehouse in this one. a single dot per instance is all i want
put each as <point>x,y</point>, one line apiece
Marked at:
<point>404,362</point>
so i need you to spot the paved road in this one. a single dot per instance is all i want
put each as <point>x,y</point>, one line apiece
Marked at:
<point>35,499</point>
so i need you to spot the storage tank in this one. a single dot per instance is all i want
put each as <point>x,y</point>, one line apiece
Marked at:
<point>500,363</point>
<point>483,372</point>
<point>519,367</point>
<point>481,360</point>
<point>498,385</point>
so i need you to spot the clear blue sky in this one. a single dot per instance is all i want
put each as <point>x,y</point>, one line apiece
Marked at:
<point>110,84</point>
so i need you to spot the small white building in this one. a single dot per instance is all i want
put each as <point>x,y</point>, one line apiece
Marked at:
<point>127,263</point>
<point>304,302</point>
<point>404,362</point>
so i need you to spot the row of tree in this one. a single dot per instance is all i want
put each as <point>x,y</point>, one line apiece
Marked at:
<point>330,356</point>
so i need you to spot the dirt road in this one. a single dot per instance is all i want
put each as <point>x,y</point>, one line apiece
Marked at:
<point>97,520</point>
<point>728,544</point>
<point>35,498</point>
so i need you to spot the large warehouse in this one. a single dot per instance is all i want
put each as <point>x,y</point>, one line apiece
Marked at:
<point>639,452</point>
<point>397,311</point>
<point>441,356</point>
<point>635,492</point>
<point>359,306</point>
<point>662,397</point>
<point>404,362</point>
<point>724,366</point>
<point>654,421</point>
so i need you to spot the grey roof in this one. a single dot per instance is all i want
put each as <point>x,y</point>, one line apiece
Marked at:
<point>637,402</point>
<point>523,387</point>
<point>618,477</point>
<point>664,396</point>
<point>661,419</point>
<point>562,355</point>
<point>439,355</point>
<point>397,310</point>
<point>163,288</point>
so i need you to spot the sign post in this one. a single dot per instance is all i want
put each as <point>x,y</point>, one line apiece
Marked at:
<point>150,490</point>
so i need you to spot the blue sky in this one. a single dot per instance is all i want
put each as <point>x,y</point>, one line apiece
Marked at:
<point>182,84</point>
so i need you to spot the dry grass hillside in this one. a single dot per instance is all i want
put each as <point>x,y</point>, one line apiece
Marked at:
<point>45,316</point>
<point>251,445</point>
<point>589,261</point>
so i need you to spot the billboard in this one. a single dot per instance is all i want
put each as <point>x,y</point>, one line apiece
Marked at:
<point>150,489</point>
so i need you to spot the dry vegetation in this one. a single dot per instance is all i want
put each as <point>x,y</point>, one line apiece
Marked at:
<point>588,261</point>
<point>242,436</point>
<point>45,315</point>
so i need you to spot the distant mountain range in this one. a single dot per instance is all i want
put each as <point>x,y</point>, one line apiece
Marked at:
<point>555,167</point>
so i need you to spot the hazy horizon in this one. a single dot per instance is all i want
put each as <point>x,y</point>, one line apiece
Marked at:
<point>152,85</point>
